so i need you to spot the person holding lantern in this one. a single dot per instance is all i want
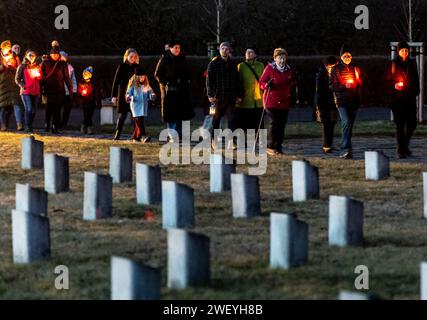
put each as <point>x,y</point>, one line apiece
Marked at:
<point>28,78</point>
<point>89,99</point>
<point>124,72</point>
<point>404,86</point>
<point>9,92</point>
<point>138,94</point>
<point>346,83</point>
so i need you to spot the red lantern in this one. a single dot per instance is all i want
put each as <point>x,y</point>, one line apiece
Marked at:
<point>84,90</point>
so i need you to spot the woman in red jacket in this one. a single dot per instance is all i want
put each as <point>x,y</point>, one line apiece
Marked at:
<point>277,82</point>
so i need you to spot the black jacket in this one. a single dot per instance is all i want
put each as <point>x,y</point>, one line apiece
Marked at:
<point>348,97</point>
<point>223,81</point>
<point>173,76</point>
<point>124,72</point>
<point>55,74</point>
<point>407,73</point>
<point>9,91</point>
<point>324,98</point>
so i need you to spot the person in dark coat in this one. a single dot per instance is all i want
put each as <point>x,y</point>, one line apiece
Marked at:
<point>173,75</point>
<point>404,86</point>
<point>55,77</point>
<point>346,83</point>
<point>326,112</point>
<point>223,86</point>
<point>124,72</point>
<point>9,91</point>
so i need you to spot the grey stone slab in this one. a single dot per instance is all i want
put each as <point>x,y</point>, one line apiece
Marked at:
<point>245,196</point>
<point>177,205</point>
<point>377,165</point>
<point>133,281</point>
<point>354,295</point>
<point>32,154</point>
<point>345,221</point>
<point>30,237</point>
<point>220,173</point>
<point>288,241</point>
<point>98,196</point>
<point>30,199</point>
<point>423,280</point>
<point>188,259</point>
<point>148,184</point>
<point>305,181</point>
<point>120,164</point>
<point>56,174</point>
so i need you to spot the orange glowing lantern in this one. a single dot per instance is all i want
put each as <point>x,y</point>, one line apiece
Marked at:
<point>9,61</point>
<point>84,90</point>
<point>35,73</point>
<point>399,86</point>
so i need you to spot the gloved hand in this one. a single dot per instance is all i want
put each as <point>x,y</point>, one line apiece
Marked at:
<point>269,84</point>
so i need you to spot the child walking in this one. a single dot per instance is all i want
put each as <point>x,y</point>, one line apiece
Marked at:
<point>138,94</point>
<point>89,99</point>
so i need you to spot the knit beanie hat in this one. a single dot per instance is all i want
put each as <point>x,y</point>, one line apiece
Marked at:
<point>88,70</point>
<point>140,71</point>
<point>402,45</point>
<point>344,48</point>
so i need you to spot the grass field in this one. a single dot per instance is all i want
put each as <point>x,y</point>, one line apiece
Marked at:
<point>395,234</point>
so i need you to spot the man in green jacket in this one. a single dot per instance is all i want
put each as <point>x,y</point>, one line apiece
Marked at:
<point>249,111</point>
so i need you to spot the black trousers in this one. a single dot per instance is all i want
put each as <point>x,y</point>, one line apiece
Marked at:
<point>88,112</point>
<point>276,131</point>
<point>53,112</point>
<point>224,108</point>
<point>248,118</point>
<point>120,122</point>
<point>405,120</point>
<point>66,110</point>
<point>328,134</point>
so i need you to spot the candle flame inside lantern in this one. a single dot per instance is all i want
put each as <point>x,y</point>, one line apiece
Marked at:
<point>35,73</point>
<point>399,85</point>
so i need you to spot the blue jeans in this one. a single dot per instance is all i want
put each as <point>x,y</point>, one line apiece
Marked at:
<point>5,114</point>
<point>348,117</point>
<point>30,106</point>
<point>177,126</point>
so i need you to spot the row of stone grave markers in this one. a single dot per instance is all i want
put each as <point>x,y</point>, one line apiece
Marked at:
<point>188,252</point>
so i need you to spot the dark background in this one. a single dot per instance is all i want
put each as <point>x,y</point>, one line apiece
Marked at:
<point>101,30</point>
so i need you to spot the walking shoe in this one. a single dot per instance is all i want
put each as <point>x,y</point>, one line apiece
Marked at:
<point>346,155</point>
<point>408,152</point>
<point>145,139</point>
<point>19,126</point>
<point>90,130</point>
<point>401,155</point>
<point>327,150</point>
<point>271,152</point>
<point>3,127</point>
<point>136,140</point>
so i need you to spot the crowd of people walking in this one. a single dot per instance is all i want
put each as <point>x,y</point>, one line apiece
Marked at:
<point>245,93</point>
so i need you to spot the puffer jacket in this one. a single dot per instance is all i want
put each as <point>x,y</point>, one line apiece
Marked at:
<point>9,91</point>
<point>342,74</point>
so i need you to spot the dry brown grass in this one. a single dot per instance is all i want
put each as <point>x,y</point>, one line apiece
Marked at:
<point>395,234</point>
